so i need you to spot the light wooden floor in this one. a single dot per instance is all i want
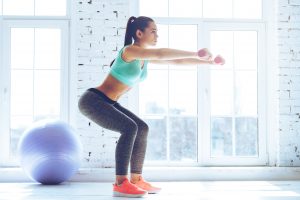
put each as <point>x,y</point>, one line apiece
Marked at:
<point>204,190</point>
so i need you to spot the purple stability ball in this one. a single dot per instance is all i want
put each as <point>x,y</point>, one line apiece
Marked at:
<point>50,151</point>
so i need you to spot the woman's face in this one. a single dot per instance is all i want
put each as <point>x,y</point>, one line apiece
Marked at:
<point>149,36</point>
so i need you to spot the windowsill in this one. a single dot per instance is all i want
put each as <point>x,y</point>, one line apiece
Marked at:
<point>173,174</point>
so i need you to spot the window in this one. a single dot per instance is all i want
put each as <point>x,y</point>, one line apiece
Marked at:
<point>35,7</point>
<point>206,115</point>
<point>34,71</point>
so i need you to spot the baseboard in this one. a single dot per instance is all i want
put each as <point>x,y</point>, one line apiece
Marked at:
<point>173,174</point>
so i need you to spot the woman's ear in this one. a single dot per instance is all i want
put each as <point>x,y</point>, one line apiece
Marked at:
<point>139,33</point>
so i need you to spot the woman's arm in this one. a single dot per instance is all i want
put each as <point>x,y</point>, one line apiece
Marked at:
<point>185,61</point>
<point>133,52</point>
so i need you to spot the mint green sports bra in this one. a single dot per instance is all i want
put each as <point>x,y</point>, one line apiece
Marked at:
<point>128,73</point>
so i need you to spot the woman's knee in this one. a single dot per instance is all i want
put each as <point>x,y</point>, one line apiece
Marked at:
<point>130,127</point>
<point>143,127</point>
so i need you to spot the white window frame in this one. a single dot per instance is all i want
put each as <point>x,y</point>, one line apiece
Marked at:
<point>204,122</point>
<point>266,79</point>
<point>28,22</point>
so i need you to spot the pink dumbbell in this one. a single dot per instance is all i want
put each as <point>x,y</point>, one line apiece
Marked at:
<point>204,53</point>
<point>219,60</point>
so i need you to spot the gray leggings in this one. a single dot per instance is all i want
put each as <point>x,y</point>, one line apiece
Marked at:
<point>109,114</point>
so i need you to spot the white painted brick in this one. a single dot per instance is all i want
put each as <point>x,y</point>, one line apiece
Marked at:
<point>284,94</point>
<point>295,109</point>
<point>294,3</point>
<point>295,94</point>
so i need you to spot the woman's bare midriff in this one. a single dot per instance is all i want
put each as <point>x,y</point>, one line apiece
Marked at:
<point>113,88</point>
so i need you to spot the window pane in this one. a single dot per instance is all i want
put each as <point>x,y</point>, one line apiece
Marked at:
<point>18,124</point>
<point>183,139</point>
<point>18,7</point>
<point>217,8</point>
<point>21,92</point>
<point>189,43</point>
<point>154,8</point>
<point>183,92</point>
<point>221,92</point>
<point>22,48</point>
<point>221,136</point>
<point>0,7</point>
<point>50,7</point>
<point>246,136</point>
<point>183,37</point>
<point>162,42</point>
<point>157,139</point>
<point>153,93</point>
<point>247,9</point>
<point>46,93</point>
<point>245,49</point>
<point>163,36</point>
<point>246,93</point>
<point>47,48</point>
<point>186,8</point>
<point>222,43</point>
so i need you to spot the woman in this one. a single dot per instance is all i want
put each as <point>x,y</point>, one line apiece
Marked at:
<point>100,103</point>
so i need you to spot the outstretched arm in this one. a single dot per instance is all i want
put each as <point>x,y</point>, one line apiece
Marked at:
<point>184,61</point>
<point>218,60</point>
<point>135,52</point>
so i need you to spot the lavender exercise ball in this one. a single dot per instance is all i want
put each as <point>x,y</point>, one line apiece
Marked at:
<point>50,151</point>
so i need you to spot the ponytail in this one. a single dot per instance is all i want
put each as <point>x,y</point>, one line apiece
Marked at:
<point>134,24</point>
<point>130,31</point>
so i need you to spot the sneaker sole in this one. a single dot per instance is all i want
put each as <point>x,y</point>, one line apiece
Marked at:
<point>120,194</point>
<point>154,192</point>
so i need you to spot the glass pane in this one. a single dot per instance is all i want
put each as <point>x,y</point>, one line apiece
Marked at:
<point>18,125</point>
<point>186,8</point>
<point>221,92</point>
<point>246,93</point>
<point>217,8</point>
<point>50,7</point>
<point>22,48</point>
<point>21,92</point>
<point>188,32</point>
<point>245,49</point>
<point>18,7</point>
<point>163,36</point>
<point>246,136</point>
<point>153,93</point>
<point>221,136</point>
<point>247,9</point>
<point>154,8</point>
<point>222,43</point>
<point>189,43</point>
<point>162,42</point>
<point>157,139</point>
<point>0,7</point>
<point>47,48</point>
<point>183,139</point>
<point>46,93</point>
<point>183,92</point>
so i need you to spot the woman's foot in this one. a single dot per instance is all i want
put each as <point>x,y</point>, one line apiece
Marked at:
<point>127,189</point>
<point>141,183</point>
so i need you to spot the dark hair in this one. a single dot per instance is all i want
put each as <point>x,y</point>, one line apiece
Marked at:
<point>134,24</point>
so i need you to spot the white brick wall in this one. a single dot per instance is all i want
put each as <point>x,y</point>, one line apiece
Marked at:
<point>101,28</point>
<point>289,82</point>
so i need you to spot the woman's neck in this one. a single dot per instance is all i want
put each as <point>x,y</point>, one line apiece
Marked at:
<point>139,44</point>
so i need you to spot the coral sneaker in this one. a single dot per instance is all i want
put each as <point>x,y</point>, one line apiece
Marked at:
<point>141,183</point>
<point>127,189</point>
